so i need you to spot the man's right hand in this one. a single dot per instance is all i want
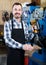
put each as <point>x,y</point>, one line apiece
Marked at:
<point>27,47</point>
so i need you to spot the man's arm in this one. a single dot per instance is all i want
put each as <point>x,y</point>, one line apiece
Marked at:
<point>30,32</point>
<point>7,36</point>
<point>11,42</point>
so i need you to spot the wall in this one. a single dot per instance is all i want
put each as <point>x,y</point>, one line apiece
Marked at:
<point>43,3</point>
<point>7,5</point>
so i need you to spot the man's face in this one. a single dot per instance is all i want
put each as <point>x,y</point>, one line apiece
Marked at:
<point>17,11</point>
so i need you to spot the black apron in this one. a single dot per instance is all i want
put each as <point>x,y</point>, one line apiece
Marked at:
<point>16,56</point>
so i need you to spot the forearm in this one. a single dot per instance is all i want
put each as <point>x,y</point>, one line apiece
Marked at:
<point>12,43</point>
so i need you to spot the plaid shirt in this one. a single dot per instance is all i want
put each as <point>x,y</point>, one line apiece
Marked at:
<point>7,33</point>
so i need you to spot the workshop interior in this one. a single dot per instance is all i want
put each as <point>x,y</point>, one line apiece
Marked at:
<point>35,17</point>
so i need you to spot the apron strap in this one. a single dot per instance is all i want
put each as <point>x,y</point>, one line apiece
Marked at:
<point>12,23</point>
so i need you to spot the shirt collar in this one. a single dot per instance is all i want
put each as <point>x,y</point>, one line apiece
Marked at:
<point>16,21</point>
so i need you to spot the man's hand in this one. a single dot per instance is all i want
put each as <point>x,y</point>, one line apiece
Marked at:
<point>36,47</point>
<point>27,47</point>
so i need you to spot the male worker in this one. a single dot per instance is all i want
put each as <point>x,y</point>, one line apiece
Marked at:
<point>14,35</point>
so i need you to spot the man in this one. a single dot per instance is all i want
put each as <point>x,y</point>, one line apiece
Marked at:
<point>14,35</point>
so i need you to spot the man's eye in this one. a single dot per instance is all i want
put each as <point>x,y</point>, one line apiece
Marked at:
<point>15,9</point>
<point>19,9</point>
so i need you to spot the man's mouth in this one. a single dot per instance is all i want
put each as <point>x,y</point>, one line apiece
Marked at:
<point>17,13</point>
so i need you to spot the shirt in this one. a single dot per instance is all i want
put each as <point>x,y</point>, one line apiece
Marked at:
<point>7,33</point>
